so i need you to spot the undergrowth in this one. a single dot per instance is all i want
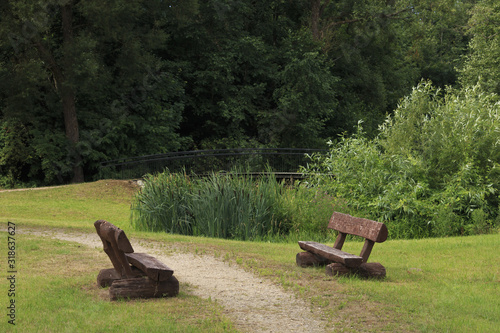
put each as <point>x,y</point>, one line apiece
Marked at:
<point>433,171</point>
<point>231,207</point>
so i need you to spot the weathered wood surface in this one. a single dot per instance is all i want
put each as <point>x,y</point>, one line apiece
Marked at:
<point>373,270</point>
<point>308,259</point>
<point>115,244</point>
<point>143,288</point>
<point>114,235</point>
<point>135,275</point>
<point>332,254</point>
<point>367,249</point>
<point>154,269</point>
<point>106,277</point>
<point>365,228</point>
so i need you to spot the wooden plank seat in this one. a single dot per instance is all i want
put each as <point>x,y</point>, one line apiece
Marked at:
<point>134,275</point>
<point>332,254</point>
<point>152,267</point>
<point>339,262</point>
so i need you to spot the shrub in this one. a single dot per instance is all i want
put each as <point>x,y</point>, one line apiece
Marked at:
<point>432,171</point>
<point>163,204</point>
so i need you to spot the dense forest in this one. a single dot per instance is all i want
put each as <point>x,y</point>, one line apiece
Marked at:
<point>86,81</point>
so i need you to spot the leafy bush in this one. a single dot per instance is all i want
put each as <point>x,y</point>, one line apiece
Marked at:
<point>432,171</point>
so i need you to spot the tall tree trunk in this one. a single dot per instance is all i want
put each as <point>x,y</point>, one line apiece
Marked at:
<point>317,9</point>
<point>72,131</point>
<point>65,89</point>
<point>315,15</point>
<point>68,94</point>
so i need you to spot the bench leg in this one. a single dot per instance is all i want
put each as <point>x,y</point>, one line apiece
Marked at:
<point>373,270</point>
<point>308,259</point>
<point>106,277</point>
<point>143,288</point>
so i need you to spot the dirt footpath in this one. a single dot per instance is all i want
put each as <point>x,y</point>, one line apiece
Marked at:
<point>253,303</point>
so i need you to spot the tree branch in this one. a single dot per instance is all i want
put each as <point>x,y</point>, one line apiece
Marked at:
<point>49,59</point>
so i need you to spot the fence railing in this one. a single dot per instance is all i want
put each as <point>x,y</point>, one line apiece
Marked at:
<point>282,161</point>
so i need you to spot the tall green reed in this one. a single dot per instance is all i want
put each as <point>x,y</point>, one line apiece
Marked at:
<point>220,205</point>
<point>163,205</point>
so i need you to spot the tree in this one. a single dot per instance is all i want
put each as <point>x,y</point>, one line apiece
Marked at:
<point>305,100</point>
<point>483,61</point>
<point>438,39</point>
<point>29,25</point>
<point>94,80</point>
<point>96,62</point>
<point>365,43</point>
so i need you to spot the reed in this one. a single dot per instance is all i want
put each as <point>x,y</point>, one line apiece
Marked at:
<point>220,205</point>
<point>162,204</point>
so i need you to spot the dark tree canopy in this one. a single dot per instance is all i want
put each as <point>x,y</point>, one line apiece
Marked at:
<point>87,81</point>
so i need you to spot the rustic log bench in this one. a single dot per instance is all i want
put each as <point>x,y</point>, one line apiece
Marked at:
<point>339,262</point>
<point>134,275</point>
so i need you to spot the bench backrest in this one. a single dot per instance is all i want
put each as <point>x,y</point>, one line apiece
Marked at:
<point>346,224</point>
<point>365,228</point>
<point>115,244</point>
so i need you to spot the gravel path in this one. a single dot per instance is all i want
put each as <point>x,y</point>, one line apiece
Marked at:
<point>254,304</point>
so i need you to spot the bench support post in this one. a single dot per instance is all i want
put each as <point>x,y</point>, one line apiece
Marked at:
<point>339,242</point>
<point>371,270</point>
<point>367,249</point>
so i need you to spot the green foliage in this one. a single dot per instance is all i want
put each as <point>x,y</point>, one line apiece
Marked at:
<point>229,206</point>
<point>159,76</point>
<point>446,130</point>
<point>15,153</point>
<point>432,171</point>
<point>224,206</point>
<point>305,100</point>
<point>161,205</point>
<point>128,100</point>
<point>482,62</point>
<point>437,39</point>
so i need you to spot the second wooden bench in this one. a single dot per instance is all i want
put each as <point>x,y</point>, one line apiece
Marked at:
<point>134,275</point>
<point>343,263</point>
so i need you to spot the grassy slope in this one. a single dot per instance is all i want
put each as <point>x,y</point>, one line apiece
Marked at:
<point>449,284</point>
<point>74,206</point>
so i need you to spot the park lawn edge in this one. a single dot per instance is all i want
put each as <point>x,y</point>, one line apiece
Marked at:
<point>423,276</point>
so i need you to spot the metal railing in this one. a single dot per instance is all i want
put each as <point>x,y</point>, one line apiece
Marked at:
<point>284,162</point>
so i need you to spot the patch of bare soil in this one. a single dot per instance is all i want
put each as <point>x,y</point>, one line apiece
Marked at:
<point>253,303</point>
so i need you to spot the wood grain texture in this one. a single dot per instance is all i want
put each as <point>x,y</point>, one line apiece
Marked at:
<point>332,254</point>
<point>308,259</point>
<point>106,277</point>
<point>154,269</point>
<point>373,270</point>
<point>143,287</point>
<point>365,228</point>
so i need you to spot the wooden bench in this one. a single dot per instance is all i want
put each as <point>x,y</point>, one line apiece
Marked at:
<point>339,262</point>
<point>134,275</point>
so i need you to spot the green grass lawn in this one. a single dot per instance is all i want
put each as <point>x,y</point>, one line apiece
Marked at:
<point>432,285</point>
<point>74,206</point>
<point>56,291</point>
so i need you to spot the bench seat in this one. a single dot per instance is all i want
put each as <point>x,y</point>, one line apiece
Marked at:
<point>154,269</point>
<point>348,259</point>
